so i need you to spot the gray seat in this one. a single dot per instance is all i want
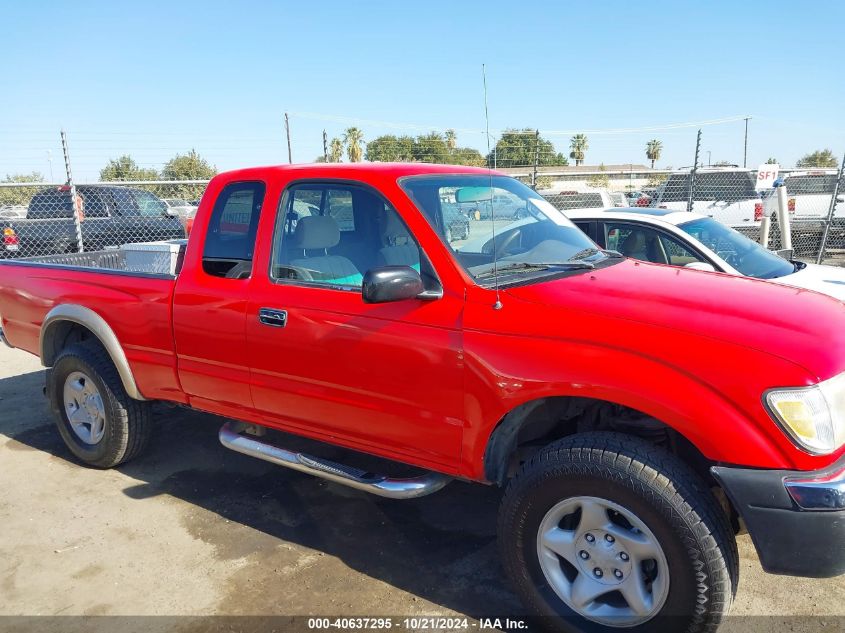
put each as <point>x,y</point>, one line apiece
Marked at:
<point>320,233</point>
<point>634,246</point>
<point>399,248</point>
<point>643,246</point>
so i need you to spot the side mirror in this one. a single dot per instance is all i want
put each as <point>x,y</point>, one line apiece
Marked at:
<point>391,283</point>
<point>701,266</point>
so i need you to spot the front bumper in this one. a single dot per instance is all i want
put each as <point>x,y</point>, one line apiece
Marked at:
<point>796,519</point>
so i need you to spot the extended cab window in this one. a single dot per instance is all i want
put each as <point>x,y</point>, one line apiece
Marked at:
<point>230,241</point>
<point>331,234</point>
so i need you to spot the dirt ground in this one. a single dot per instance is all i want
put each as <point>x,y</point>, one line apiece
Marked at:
<point>191,528</point>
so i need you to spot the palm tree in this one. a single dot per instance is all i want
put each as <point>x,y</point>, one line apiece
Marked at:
<point>353,138</point>
<point>652,150</point>
<point>451,140</point>
<point>335,150</point>
<point>579,146</point>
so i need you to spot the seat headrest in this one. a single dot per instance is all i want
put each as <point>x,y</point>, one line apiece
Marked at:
<point>395,231</point>
<point>634,243</point>
<point>316,231</point>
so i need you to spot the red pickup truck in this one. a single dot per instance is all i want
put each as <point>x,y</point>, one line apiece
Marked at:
<point>638,415</point>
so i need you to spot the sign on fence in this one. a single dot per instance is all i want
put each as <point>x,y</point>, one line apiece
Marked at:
<point>766,176</point>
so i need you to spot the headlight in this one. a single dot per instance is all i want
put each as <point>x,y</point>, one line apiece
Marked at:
<point>814,417</point>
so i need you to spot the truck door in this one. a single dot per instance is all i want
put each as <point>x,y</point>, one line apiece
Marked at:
<point>387,378</point>
<point>209,305</point>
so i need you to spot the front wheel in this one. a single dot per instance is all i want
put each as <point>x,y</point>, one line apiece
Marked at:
<point>602,531</point>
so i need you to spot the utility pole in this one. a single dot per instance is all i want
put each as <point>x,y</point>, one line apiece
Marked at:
<point>691,192</point>
<point>745,151</point>
<point>287,132</point>
<point>536,160</point>
<point>325,147</point>
<point>75,200</point>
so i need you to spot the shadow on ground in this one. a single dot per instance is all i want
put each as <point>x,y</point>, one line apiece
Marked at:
<point>440,548</point>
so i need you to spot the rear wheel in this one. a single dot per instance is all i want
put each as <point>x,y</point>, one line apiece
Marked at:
<point>96,418</point>
<point>601,531</point>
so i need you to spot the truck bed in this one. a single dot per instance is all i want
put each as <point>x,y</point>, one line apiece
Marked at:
<point>146,258</point>
<point>111,285</point>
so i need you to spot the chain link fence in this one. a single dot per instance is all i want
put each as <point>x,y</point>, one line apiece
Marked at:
<point>46,219</point>
<point>52,219</point>
<point>814,200</point>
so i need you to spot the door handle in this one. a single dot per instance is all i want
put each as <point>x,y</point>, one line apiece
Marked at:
<point>273,318</point>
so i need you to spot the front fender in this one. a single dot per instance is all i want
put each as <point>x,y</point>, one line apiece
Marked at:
<point>726,424</point>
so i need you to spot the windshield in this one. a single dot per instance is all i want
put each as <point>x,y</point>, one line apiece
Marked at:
<point>499,224</point>
<point>745,255</point>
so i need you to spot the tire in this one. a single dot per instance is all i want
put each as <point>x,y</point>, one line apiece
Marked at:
<point>124,426</point>
<point>687,582</point>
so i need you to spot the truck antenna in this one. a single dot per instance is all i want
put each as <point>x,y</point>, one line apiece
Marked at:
<point>498,304</point>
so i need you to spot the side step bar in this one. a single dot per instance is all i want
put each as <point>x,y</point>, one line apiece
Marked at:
<point>381,485</point>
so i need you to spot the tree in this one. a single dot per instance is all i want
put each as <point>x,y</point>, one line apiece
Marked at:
<point>431,148</point>
<point>125,168</point>
<point>652,150</point>
<point>518,148</point>
<point>467,156</point>
<point>579,146</point>
<point>451,140</point>
<point>190,166</point>
<point>352,138</point>
<point>772,161</point>
<point>336,150</point>
<point>19,196</point>
<point>390,149</point>
<point>819,158</point>
<point>601,180</point>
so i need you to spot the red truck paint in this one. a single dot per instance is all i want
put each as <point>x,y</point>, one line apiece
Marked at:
<point>427,382</point>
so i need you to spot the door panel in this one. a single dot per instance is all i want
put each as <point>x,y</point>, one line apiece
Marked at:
<point>209,307</point>
<point>387,376</point>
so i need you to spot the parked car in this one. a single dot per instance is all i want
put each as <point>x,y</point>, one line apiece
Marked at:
<point>693,240</point>
<point>634,412</point>
<point>809,193</point>
<point>502,206</point>
<point>111,216</point>
<point>180,207</point>
<point>725,194</point>
<point>636,199</point>
<point>456,222</point>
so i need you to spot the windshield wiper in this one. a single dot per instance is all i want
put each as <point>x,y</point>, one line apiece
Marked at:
<point>587,252</point>
<point>512,267</point>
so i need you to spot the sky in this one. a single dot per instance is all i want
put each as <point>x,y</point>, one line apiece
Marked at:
<point>153,79</point>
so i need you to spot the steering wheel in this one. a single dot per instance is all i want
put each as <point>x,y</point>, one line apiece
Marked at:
<point>732,258</point>
<point>498,247</point>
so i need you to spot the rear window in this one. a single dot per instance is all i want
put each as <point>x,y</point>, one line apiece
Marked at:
<point>230,240</point>
<point>149,204</point>
<point>810,184</point>
<point>729,186</point>
<point>56,203</point>
<point>567,201</point>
